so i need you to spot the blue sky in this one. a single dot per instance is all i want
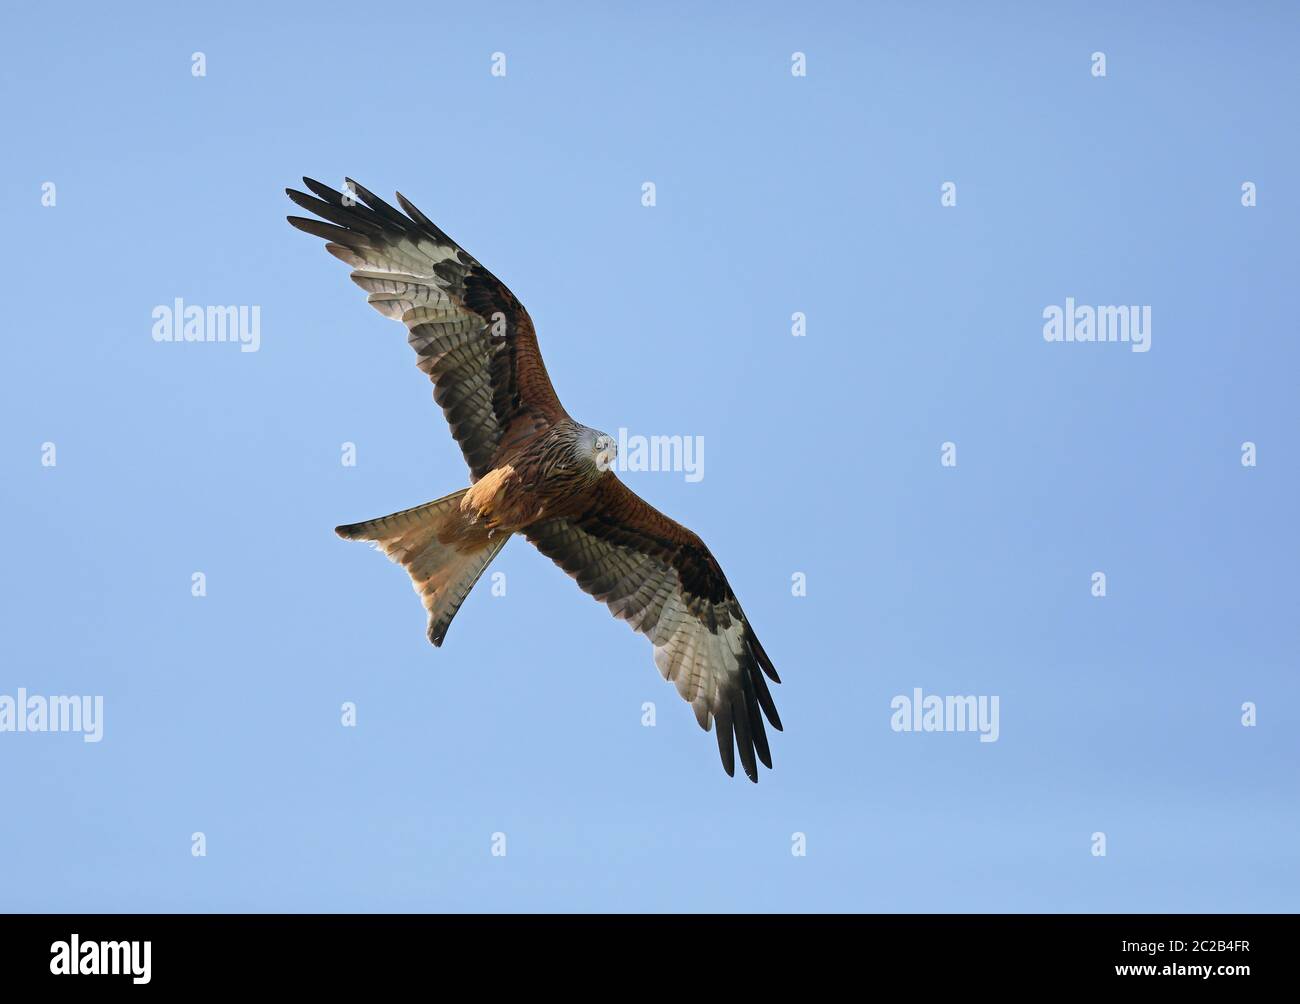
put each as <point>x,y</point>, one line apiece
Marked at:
<point>775,194</point>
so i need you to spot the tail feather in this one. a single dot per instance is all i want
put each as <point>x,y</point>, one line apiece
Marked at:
<point>440,548</point>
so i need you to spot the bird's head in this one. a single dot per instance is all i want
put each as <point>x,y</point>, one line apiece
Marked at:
<point>598,448</point>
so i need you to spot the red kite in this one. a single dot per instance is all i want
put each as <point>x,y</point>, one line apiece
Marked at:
<point>535,471</point>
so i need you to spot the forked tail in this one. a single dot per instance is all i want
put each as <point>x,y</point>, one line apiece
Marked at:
<point>442,550</point>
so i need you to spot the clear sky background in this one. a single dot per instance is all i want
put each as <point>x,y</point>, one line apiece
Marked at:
<point>775,195</point>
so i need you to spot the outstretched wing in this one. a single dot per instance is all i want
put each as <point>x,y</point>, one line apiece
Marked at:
<point>659,577</point>
<point>471,336</point>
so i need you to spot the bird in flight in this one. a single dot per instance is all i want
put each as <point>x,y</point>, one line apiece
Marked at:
<point>537,472</point>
